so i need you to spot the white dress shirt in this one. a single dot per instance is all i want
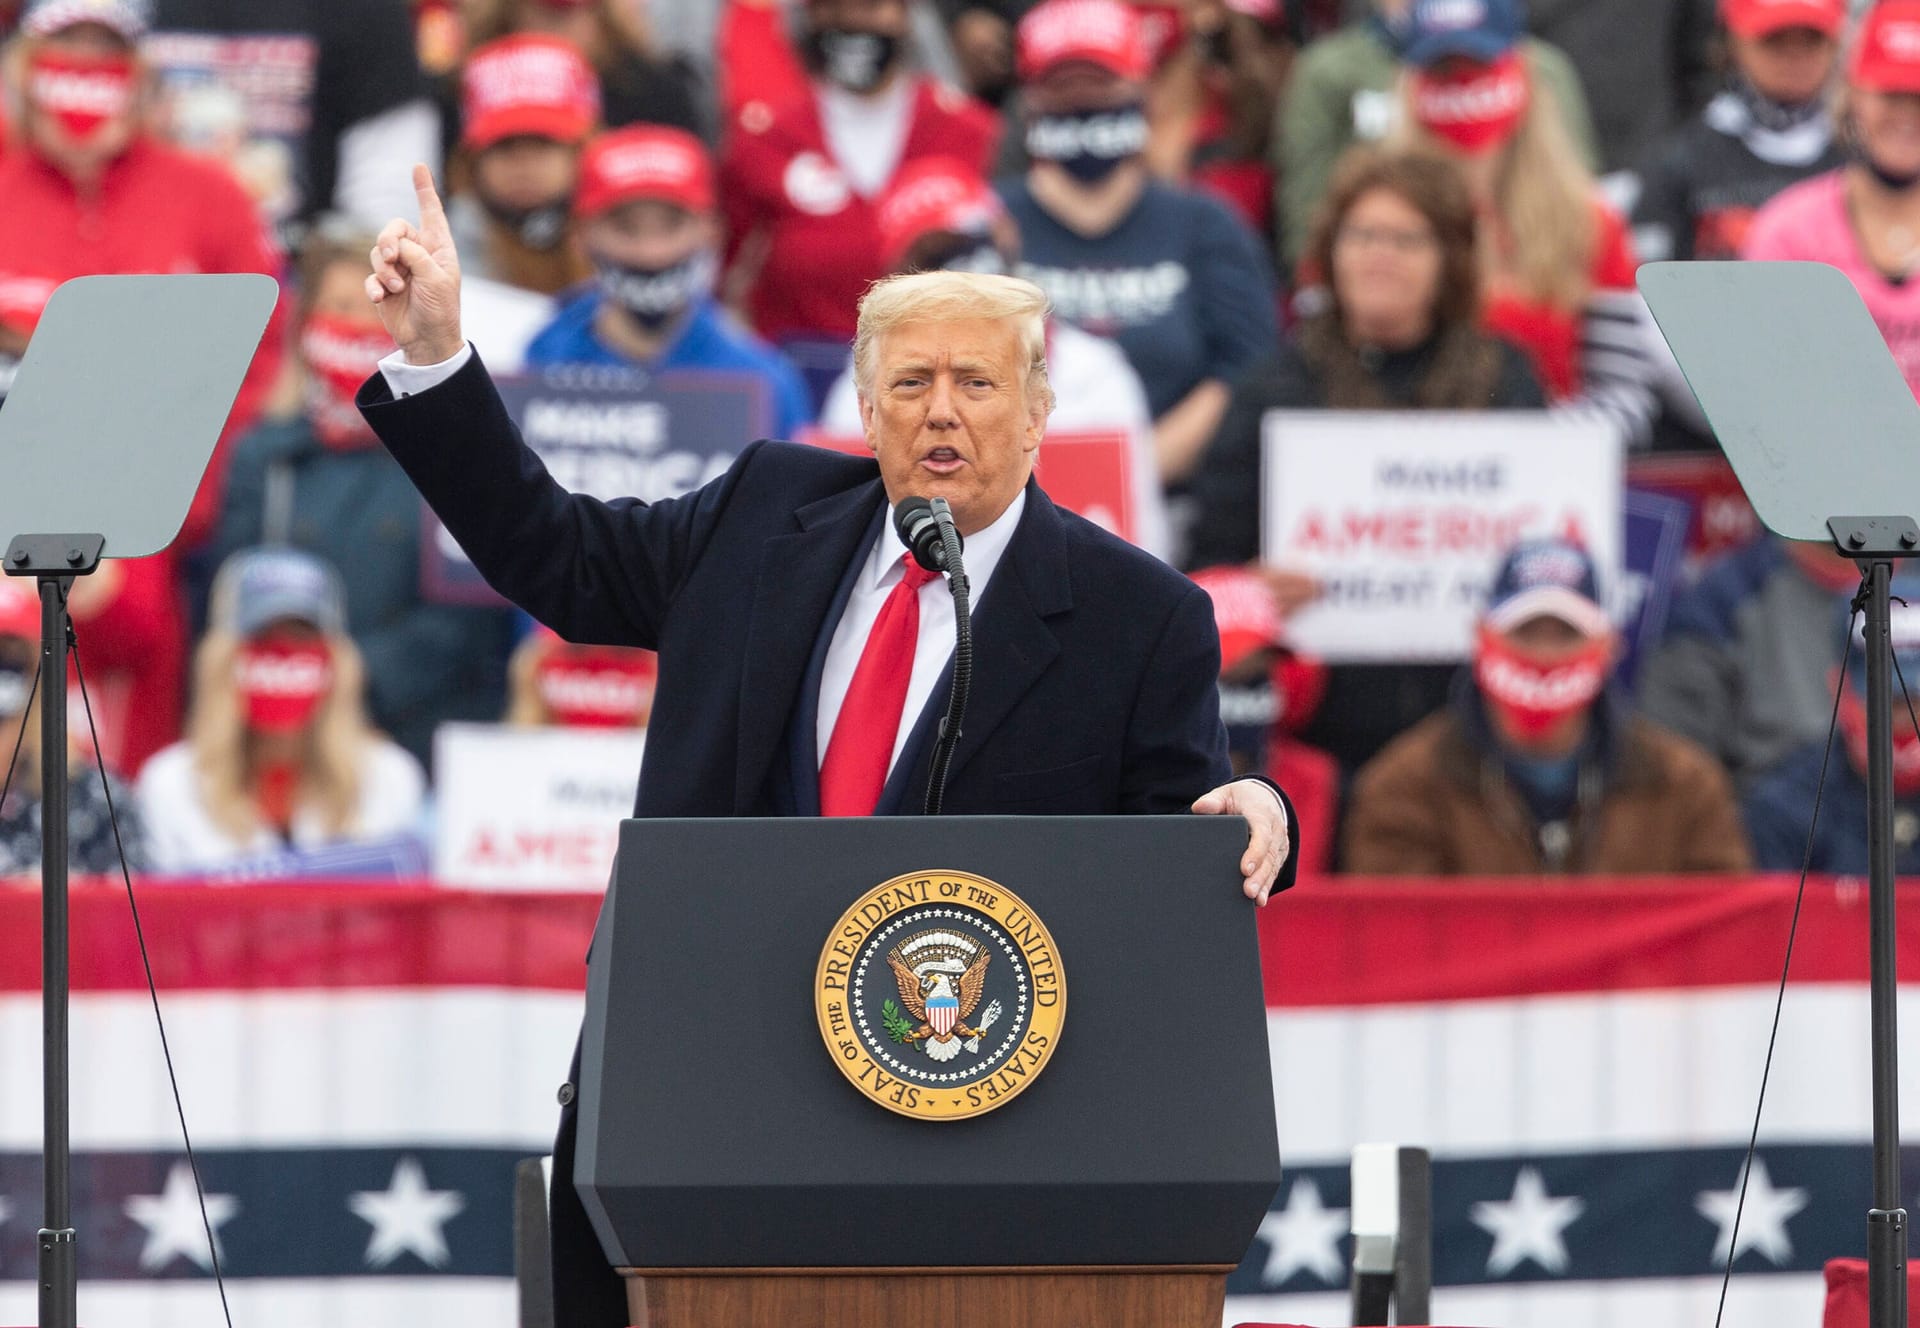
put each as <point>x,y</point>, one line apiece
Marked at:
<point>878,575</point>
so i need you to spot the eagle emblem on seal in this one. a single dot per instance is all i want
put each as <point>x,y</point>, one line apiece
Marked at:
<point>941,975</point>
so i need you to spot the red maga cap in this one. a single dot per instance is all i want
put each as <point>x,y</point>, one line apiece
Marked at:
<point>1101,32</point>
<point>1886,51</point>
<point>644,161</point>
<point>933,194</point>
<point>527,84</point>
<point>1243,612</point>
<point>1759,18</point>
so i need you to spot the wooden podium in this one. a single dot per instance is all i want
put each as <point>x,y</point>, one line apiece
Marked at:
<point>1182,1297</point>
<point>735,1175</point>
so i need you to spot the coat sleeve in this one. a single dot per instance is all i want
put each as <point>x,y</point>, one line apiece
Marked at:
<point>1176,749</point>
<point>597,572</point>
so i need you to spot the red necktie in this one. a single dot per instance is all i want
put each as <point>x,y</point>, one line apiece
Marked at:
<point>861,748</point>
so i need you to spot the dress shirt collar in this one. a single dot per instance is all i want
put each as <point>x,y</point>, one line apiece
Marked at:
<point>982,551</point>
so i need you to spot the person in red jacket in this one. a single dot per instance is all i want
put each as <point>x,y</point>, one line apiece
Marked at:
<point>87,190</point>
<point>802,173</point>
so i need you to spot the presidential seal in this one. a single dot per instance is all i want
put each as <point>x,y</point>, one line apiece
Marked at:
<point>940,995</point>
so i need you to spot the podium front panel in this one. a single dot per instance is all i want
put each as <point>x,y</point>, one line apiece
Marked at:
<point>717,1130</point>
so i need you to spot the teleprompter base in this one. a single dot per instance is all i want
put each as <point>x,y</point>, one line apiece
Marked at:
<point>1110,1297</point>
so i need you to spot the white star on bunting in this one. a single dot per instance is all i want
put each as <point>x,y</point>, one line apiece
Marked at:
<point>1531,1224</point>
<point>1763,1226</point>
<point>407,1217</point>
<point>172,1221</point>
<point>1304,1235</point>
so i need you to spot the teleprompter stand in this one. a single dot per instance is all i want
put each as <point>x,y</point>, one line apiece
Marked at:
<point>1814,416</point>
<point>107,430</point>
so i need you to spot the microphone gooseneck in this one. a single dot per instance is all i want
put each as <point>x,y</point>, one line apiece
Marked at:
<point>940,519</point>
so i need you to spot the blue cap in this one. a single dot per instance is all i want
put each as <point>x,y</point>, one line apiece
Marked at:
<point>258,587</point>
<point>1547,577</point>
<point>1482,30</point>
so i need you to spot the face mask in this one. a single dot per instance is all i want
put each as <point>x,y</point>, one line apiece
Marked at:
<point>1089,145</point>
<point>597,690</point>
<point>1906,747</point>
<point>340,354</point>
<point>1531,697</point>
<point>540,228</point>
<point>82,93</point>
<point>1476,109</point>
<point>16,681</point>
<point>856,60</point>
<point>656,296</point>
<point>282,683</point>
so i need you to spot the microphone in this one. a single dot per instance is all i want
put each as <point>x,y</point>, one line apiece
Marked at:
<point>927,528</point>
<point>921,530</point>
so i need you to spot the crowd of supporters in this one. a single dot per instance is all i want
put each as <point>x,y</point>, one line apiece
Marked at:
<point>1234,206</point>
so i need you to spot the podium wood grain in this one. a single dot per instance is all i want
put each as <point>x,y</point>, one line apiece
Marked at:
<point>1179,1297</point>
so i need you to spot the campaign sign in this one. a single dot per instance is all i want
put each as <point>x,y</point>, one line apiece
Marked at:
<point>1722,518</point>
<point>1087,472</point>
<point>1404,517</point>
<point>531,808</point>
<point>1656,546</point>
<point>613,433</point>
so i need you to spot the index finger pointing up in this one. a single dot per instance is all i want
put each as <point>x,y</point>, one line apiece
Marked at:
<point>433,217</point>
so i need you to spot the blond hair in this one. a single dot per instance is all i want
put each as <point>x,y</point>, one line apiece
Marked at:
<point>217,737</point>
<point>944,297</point>
<point>1542,231</point>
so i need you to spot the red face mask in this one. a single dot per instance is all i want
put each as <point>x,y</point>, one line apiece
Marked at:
<point>1475,107</point>
<point>1906,747</point>
<point>597,689</point>
<point>82,93</point>
<point>1531,697</point>
<point>340,354</point>
<point>282,683</point>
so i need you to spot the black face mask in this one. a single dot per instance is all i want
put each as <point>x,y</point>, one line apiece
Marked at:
<point>656,296</point>
<point>1089,145</point>
<point>857,60</point>
<point>541,227</point>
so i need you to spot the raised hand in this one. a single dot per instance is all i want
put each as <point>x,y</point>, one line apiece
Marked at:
<point>416,280</point>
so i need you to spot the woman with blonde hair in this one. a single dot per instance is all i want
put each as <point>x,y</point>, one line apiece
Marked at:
<point>279,759</point>
<point>1556,262</point>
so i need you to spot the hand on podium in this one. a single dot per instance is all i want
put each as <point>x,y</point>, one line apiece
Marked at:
<point>416,280</point>
<point>1267,845</point>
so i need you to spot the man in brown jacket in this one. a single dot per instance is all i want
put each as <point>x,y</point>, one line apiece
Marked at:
<point>1536,768</point>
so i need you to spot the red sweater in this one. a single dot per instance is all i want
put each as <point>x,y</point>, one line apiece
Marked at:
<point>779,182</point>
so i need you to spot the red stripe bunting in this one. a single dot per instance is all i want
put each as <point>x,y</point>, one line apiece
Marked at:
<point>1328,942</point>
